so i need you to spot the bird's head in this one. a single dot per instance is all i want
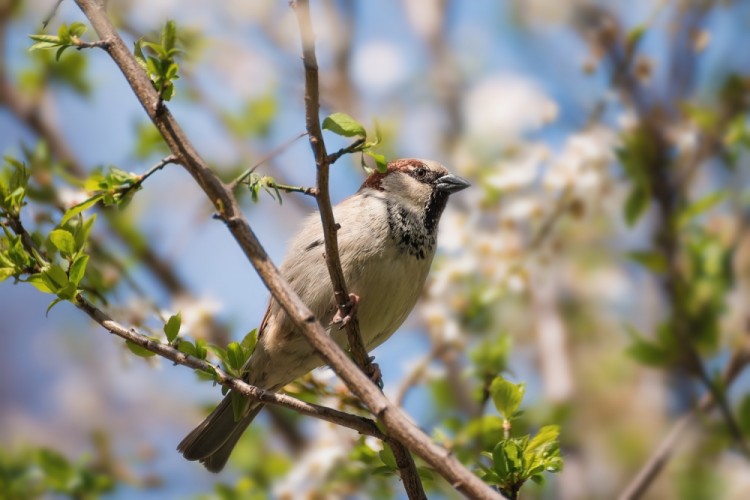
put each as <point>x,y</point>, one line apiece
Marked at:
<point>419,185</point>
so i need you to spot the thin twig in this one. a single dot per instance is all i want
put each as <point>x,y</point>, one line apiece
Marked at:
<point>394,421</point>
<point>655,464</point>
<point>406,465</point>
<point>137,184</point>
<point>360,424</point>
<point>351,148</point>
<point>315,136</point>
<point>51,14</point>
<point>274,152</point>
<point>99,44</point>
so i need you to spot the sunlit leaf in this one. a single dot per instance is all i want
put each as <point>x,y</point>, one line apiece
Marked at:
<point>344,125</point>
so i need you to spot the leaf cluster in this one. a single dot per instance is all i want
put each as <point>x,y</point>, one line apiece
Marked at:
<point>158,60</point>
<point>67,36</point>
<point>516,459</point>
<point>39,472</point>
<point>346,126</point>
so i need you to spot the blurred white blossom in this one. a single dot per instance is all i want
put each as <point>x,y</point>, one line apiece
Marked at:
<point>519,171</point>
<point>582,163</point>
<point>503,107</point>
<point>378,66</point>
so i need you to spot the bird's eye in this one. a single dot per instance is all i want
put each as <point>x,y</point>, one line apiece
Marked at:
<point>420,172</point>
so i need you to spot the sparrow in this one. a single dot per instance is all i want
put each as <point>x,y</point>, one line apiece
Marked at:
<point>387,236</point>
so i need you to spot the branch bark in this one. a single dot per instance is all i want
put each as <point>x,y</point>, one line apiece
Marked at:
<point>360,424</point>
<point>407,467</point>
<point>395,422</point>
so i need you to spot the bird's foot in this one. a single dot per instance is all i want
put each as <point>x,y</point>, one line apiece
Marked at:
<point>374,373</point>
<point>342,321</point>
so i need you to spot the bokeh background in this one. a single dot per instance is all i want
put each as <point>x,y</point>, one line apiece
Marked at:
<point>534,101</point>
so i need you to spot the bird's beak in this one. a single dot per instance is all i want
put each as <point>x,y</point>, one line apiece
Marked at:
<point>451,183</point>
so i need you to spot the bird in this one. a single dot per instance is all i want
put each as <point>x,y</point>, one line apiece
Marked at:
<point>387,236</point>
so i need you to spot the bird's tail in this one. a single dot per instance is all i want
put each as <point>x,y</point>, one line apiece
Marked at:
<point>213,440</point>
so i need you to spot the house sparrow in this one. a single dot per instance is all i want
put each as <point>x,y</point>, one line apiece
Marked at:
<point>387,237</point>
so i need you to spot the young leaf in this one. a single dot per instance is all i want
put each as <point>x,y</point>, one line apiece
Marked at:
<point>78,269</point>
<point>38,281</point>
<point>636,205</point>
<point>653,261</point>
<point>235,356</point>
<point>699,207</point>
<point>249,341</point>
<point>344,125</point>
<point>387,456</point>
<point>138,350</point>
<point>54,277</point>
<point>172,327</point>
<point>6,272</point>
<point>77,209</point>
<point>239,405</point>
<point>53,304</point>
<point>64,241</point>
<point>186,347</point>
<point>380,161</point>
<point>507,396</point>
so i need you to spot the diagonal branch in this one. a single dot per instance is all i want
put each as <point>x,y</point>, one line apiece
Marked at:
<point>360,424</point>
<point>395,422</point>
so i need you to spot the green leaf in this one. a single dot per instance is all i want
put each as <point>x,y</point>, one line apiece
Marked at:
<point>249,341</point>
<point>54,277</point>
<point>235,357</point>
<point>651,260</point>
<point>77,29</point>
<point>77,209</point>
<point>546,435</point>
<point>53,304</point>
<point>172,327</point>
<point>648,352</point>
<point>139,350</point>
<point>6,272</point>
<point>636,205</point>
<point>239,405</point>
<point>78,269</point>
<point>699,207</point>
<point>64,241</point>
<point>169,35</point>
<point>68,291</point>
<point>380,161</point>
<point>387,456</point>
<point>201,349</point>
<point>634,36</point>
<point>186,347</point>
<point>82,232</point>
<point>499,461</point>
<point>507,396</point>
<point>344,125</point>
<point>38,281</point>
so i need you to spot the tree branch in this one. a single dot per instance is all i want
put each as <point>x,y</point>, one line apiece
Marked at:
<point>394,421</point>
<point>406,465</point>
<point>315,135</point>
<point>360,424</point>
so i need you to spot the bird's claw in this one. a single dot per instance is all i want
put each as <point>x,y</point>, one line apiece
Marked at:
<point>342,321</point>
<point>375,374</point>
